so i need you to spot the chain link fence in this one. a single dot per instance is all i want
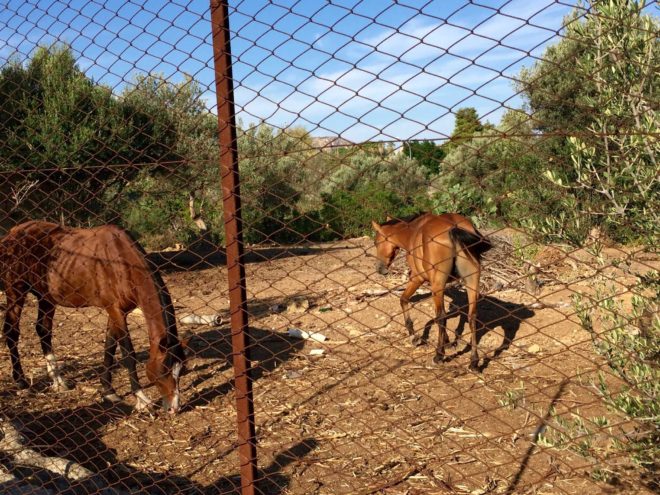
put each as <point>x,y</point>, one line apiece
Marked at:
<point>246,156</point>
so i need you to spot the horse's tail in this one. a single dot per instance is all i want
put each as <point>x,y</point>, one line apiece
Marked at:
<point>473,242</point>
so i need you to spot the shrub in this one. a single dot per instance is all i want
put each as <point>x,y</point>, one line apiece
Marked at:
<point>630,343</point>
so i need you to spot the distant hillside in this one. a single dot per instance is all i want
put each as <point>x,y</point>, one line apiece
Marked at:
<point>330,142</point>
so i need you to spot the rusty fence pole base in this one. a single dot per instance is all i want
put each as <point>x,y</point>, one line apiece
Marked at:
<point>234,244</point>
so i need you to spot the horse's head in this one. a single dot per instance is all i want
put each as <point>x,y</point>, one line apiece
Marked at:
<point>385,249</point>
<point>164,369</point>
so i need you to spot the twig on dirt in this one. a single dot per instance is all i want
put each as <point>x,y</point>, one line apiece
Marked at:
<point>6,476</point>
<point>394,481</point>
<point>12,444</point>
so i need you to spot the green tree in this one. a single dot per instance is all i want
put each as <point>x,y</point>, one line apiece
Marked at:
<point>395,172</point>
<point>428,154</point>
<point>496,176</point>
<point>180,200</point>
<point>364,186</point>
<point>69,139</point>
<point>614,173</point>
<point>556,89</point>
<point>466,125</point>
<point>275,166</point>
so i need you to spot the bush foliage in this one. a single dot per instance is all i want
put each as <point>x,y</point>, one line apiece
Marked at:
<point>581,153</point>
<point>148,157</point>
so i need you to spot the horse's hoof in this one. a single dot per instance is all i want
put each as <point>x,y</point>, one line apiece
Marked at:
<point>62,385</point>
<point>439,359</point>
<point>143,402</point>
<point>474,366</point>
<point>112,397</point>
<point>22,384</point>
<point>417,341</point>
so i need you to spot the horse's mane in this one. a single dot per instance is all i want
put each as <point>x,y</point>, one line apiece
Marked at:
<point>407,219</point>
<point>163,293</point>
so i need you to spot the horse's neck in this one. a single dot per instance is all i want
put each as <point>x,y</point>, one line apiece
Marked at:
<point>402,236</point>
<point>155,305</point>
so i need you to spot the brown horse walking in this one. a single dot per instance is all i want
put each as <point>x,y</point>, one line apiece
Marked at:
<point>101,267</point>
<point>438,247</point>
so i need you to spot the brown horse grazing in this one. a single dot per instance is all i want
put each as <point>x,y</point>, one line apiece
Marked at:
<point>438,247</point>
<point>102,267</point>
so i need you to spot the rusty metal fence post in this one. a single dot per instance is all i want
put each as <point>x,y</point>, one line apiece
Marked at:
<point>234,244</point>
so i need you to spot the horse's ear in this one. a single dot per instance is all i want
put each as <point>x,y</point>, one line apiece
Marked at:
<point>388,218</point>
<point>377,227</point>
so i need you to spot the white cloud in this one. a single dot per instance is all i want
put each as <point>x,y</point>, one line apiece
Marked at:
<point>405,83</point>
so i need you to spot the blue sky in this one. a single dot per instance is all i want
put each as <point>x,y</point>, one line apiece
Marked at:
<point>364,70</point>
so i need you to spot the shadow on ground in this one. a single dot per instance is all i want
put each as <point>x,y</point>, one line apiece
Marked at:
<point>491,314</point>
<point>75,435</point>
<point>267,350</point>
<point>201,259</point>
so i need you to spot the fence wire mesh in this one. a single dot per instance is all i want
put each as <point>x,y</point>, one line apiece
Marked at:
<point>356,121</point>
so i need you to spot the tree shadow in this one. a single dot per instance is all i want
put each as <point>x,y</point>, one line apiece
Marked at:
<point>201,259</point>
<point>491,314</point>
<point>75,435</point>
<point>266,348</point>
<point>537,432</point>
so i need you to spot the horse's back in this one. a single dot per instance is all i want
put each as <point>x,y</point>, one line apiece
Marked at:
<point>30,235</point>
<point>73,267</point>
<point>97,267</point>
<point>443,223</point>
<point>25,251</point>
<point>434,248</point>
<point>434,230</point>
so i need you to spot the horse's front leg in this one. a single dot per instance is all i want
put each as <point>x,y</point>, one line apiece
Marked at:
<point>45,315</point>
<point>411,288</point>
<point>472,270</point>
<point>130,362</point>
<point>108,362</point>
<point>11,331</point>
<point>438,285</point>
<point>118,334</point>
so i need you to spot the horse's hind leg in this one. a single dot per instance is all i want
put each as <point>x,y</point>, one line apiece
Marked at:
<point>11,331</point>
<point>470,271</point>
<point>45,316</point>
<point>411,288</point>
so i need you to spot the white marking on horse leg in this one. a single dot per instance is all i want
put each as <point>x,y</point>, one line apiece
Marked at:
<point>174,404</point>
<point>112,397</point>
<point>53,368</point>
<point>51,364</point>
<point>176,371</point>
<point>143,402</point>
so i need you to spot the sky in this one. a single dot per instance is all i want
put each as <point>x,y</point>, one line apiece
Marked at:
<point>362,70</point>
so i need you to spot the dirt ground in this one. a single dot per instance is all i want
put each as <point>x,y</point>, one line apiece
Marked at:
<point>372,414</point>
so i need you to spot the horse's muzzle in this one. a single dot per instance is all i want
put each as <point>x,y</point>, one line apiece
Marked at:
<point>171,406</point>
<point>381,268</point>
